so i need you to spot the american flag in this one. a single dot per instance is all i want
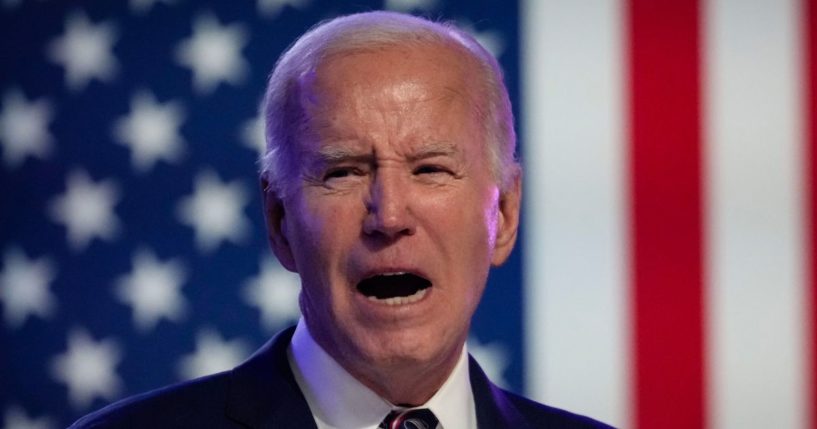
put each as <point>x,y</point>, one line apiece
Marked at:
<point>670,243</point>
<point>667,262</point>
<point>133,252</point>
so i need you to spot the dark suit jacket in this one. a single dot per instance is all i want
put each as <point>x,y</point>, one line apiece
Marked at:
<point>262,393</point>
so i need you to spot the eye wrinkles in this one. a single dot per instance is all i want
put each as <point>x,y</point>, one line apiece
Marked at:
<point>338,166</point>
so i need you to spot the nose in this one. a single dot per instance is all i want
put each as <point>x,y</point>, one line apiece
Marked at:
<point>388,207</point>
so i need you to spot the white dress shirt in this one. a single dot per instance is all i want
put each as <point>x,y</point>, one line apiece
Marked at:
<point>338,401</point>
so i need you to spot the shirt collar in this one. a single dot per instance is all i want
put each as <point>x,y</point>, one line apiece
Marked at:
<point>338,400</point>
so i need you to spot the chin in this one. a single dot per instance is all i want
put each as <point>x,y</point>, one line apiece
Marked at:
<point>409,347</point>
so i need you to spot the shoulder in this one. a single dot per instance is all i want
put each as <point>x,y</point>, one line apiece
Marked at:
<point>499,408</point>
<point>193,403</point>
<point>258,390</point>
<point>541,415</point>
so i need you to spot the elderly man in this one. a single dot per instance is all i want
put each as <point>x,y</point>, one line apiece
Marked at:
<point>390,186</point>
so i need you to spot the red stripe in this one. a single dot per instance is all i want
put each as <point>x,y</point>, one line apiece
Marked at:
<point>667,263</point>
<point>810,36</point>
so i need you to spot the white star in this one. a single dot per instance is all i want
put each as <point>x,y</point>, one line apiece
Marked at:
<point>143,6</point>
<point>152,289</point>
<point>410,5</point>
<point>85,51</point>
<point>212,355</point>
<point>215,211</point>
<point>86,209</point>
<point>493,358</point>
<point>252,135</point>
<point>24,128</point>
<point>271,8</point>
<point>213,53</point>
<point>492,41</point>
<point>16,418</point>
<point>275,292</point>
<point>87,369</point>
<point>151,131</point>
<point>24,287</point>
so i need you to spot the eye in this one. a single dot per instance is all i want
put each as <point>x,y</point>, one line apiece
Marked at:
<point>341,172</point>
<point>335,174</point>
<point>430,169</point>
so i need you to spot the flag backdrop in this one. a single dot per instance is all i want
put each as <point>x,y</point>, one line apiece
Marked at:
<point>665,276</point>
<point>132,248</point>
<point>670,240</point>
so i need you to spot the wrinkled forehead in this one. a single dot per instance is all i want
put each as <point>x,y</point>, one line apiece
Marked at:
<point>444,68</point>
<point>392,86</point>
<point>423,94</point>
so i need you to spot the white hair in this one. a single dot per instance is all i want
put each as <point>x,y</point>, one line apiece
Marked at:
<point>284,116</point>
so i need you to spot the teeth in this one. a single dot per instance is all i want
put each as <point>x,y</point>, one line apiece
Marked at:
<point>401,300</point>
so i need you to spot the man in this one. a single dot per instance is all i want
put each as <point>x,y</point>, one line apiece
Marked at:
<point>391,188</point>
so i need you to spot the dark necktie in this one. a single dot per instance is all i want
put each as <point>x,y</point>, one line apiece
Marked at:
<point>421,418</point>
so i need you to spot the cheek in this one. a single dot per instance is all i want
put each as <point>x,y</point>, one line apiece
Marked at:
<point>314,215</point>
<point>306,225</point>
<point>465,228</point>
<point>479,218</point>
<point>314,241</point>
<point>325,228</point>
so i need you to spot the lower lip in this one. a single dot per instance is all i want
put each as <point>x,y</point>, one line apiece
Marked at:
<point>404,308</point>
<point>401,300</point>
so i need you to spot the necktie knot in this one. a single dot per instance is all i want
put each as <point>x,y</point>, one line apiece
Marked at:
<point>421,418</point>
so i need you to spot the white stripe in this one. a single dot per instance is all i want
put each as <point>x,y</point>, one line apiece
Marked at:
<point>755,219</point>
<point>575,250</point>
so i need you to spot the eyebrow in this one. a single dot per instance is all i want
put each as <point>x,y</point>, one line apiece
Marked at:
<point>434,149</point>
<point>336,154</point>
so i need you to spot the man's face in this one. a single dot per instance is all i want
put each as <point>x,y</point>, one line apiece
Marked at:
<point>396,217</point>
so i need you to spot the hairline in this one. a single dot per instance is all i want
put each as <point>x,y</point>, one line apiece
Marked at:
<point>373,34</point>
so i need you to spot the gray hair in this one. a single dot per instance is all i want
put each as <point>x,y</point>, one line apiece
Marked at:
<point>284,116</point>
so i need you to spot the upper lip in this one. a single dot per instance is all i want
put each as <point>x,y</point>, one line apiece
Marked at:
<point>380,271</point>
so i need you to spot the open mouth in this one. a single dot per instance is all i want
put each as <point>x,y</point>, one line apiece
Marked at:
<point>394,288</point>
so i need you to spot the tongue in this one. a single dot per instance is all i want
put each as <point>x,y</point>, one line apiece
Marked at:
<point>383,287</point>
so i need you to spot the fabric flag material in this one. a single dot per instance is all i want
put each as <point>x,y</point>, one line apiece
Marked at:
<point>666,275</point>
<point>670,241</point>
<point>132,249</point>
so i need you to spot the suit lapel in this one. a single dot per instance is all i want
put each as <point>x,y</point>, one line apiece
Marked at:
<point>494,408</point>
<point>263,392</point>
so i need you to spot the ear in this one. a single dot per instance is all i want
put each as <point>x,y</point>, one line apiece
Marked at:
<point>275,218</point>
<point>507,221</point>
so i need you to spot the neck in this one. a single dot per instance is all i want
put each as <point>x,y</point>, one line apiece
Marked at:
<point>405,383</point>
<point>401,380</point>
